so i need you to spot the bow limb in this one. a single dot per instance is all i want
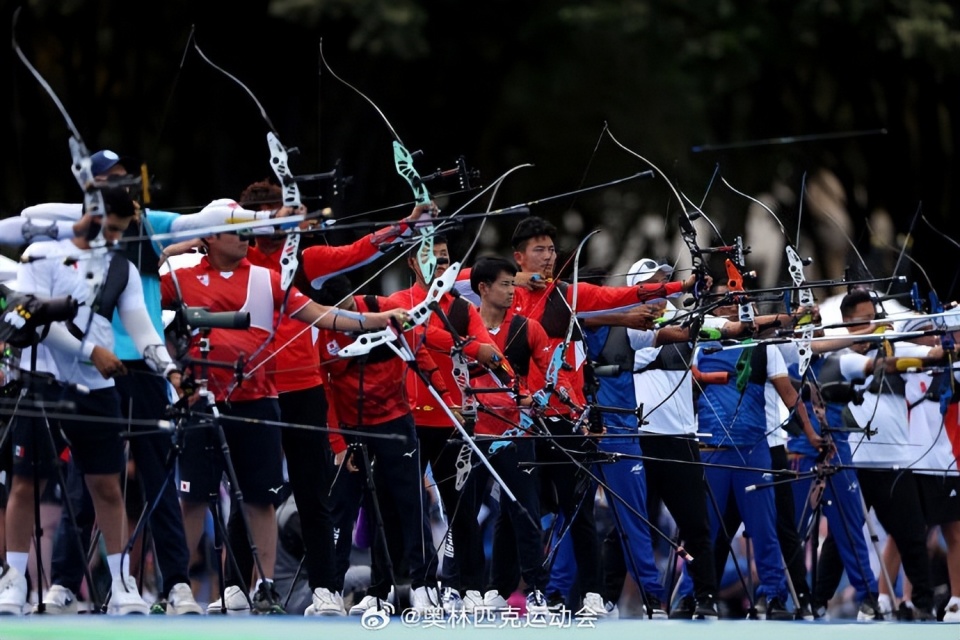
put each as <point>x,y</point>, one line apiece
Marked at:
<point>460,367</point>
<point>290,255</point>
<point>907,241</point>
<point>795,265</point>
<point>693,319</point>
<point>82,169</point>
<point>688,233</point>
<point>894,279</point>
<point>279,162</point>
<point>805,296</point>
<point>420,313</point>
<point>403,161</point>
<point>445,283</point>
<point>938,232</point>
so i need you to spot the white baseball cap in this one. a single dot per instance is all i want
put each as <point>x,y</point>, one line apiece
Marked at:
<point>643,270</point>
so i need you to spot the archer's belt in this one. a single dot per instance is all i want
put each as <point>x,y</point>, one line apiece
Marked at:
<point>704,448</point>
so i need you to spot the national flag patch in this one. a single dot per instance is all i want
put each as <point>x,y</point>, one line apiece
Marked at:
<point>184,486</point>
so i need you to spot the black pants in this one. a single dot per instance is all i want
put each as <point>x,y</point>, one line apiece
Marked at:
<point>675,478</point>
<point>517,536</point>
<point>398,482</point>
<point>567,489</point>
<point>310,471</point>
<point>309,467</point>
<point>443,448</point>
<point>896,500</point>
<point>829,570</point>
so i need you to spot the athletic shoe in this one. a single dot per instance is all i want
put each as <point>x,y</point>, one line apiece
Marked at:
<point>493,600</point>
<point>777,610</point>
<point>372,602</point>
<point>326,603</point>
<point>869,610</point>
<point>266,600</point>
<point>424,599</point>
<point>924,615</point>
<point>181,602</point>
<point>59,600</point>
<point>450,600</point>
<point>759,609</point>
<point>237,604</point>
<point>820,608</point>
<point>684,609</point>
<point>13,592</point>
<point>951,612</point>
<point>556,601</point>
<point>593,605</point>
<point>912,612</point>
<point>537,604</point>
<point>125,598</point>
<point>653,609</point>
<point>472,600</point>
<point>706,609</point>
<point>804,609</point>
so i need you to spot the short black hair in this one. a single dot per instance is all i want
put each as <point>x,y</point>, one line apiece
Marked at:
<point>440,238</point>
<point>852,299</point>
<point>529,228</point>
<point>117,201</point>
<point>487,269</point>
<point>334,290</point>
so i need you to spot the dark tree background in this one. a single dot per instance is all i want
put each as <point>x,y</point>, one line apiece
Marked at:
<point>857,99</point>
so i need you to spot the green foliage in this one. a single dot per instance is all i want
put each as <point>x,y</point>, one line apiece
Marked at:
<point>505,82</point>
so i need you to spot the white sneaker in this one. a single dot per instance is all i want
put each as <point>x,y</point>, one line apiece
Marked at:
<point>493,600</point>
<point>424,599</point>
<point>326,603</point>
<point>13,592</point>
<point>125,598</point>
<point>594,605</point>
<point>450,600</point>
<point>237,603</point>
<point>59,600</point>
<point>5,575</point>
<point>372,602</point>
<point>181,601</point>
<point>952,612</point>
<point>472,600</point>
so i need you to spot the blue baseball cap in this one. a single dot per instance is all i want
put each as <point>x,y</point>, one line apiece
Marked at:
<point>103,160</point>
